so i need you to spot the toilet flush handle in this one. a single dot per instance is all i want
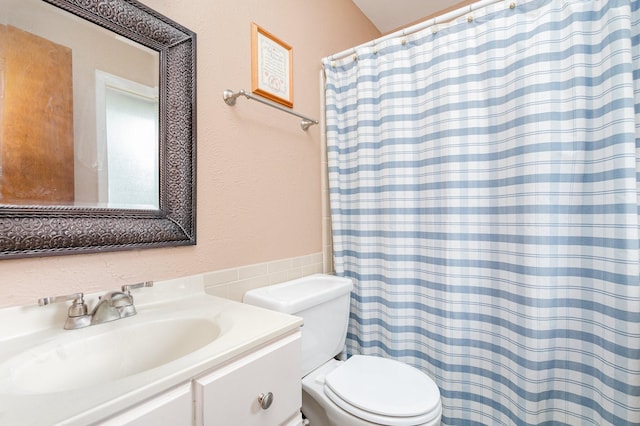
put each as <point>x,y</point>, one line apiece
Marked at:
<point>265,400</point>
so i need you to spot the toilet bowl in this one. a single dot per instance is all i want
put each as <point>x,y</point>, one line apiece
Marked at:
<point>361,391</point>
<point>367,390</point>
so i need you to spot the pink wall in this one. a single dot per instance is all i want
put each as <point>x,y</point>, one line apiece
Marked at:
<point>258,173</point>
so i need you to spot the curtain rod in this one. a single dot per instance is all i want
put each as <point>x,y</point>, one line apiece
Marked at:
<point>420,26</point>
<point>230,99</point>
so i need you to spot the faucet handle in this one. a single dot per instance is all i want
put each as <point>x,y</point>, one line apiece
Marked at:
<point>128,287</point>
<point>56,299</point>
<point>77,309</point>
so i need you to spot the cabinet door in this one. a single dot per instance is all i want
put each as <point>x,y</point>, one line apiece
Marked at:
<point>172,408</point>
<point>230,395</point>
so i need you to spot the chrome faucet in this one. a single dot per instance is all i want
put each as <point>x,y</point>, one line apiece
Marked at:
<point>111,306</point>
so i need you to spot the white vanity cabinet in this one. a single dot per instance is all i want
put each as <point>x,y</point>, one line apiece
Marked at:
<point>186,357</point>
<point>231,395</point>
<point>172,408</point>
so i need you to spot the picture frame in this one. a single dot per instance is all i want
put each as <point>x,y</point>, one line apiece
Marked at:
<point>271,67</point>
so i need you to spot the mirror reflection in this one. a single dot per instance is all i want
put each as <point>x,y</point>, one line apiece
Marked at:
<point>78,112</point>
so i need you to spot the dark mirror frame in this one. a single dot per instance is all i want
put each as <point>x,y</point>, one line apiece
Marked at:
<point>27,231</point>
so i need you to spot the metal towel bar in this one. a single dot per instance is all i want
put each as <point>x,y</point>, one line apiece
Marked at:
<point>230,99</point>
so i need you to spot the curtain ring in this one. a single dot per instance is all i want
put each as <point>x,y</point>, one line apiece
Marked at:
<point>469,18</point>
<point>512,5</point>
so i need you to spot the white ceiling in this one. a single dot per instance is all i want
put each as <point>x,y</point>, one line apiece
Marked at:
<point>388,15</point>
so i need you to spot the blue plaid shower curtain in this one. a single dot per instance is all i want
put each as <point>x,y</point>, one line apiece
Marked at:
<point>484,196</point>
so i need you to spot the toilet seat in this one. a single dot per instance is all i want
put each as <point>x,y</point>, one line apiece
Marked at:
<point>383,391</point>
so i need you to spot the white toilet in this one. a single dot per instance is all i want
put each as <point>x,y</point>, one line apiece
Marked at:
<point>363,390</point>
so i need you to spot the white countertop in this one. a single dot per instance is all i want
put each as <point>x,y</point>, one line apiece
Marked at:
<point>242,328</point>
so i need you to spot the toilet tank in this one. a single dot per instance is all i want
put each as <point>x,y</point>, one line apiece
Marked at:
<point>322,301</point>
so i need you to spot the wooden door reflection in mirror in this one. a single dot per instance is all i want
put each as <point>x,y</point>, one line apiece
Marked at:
<point>36,140</point>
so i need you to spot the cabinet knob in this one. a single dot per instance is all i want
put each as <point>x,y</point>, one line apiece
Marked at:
<point>265,400</point>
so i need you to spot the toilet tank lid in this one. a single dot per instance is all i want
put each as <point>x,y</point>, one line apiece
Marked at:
<point>297,295</point>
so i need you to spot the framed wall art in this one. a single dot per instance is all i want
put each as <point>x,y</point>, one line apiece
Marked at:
<point>271,67</point>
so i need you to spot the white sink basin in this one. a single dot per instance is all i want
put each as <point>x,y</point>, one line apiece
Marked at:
<point>77,361</point>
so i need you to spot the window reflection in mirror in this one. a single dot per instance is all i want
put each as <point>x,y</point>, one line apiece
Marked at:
<point>127,139</point>
<point>78,112</point>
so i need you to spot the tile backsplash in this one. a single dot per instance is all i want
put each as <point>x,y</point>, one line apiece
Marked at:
<point>234,282</point>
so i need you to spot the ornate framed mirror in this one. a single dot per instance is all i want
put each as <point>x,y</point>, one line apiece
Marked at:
<point>60,197</point>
